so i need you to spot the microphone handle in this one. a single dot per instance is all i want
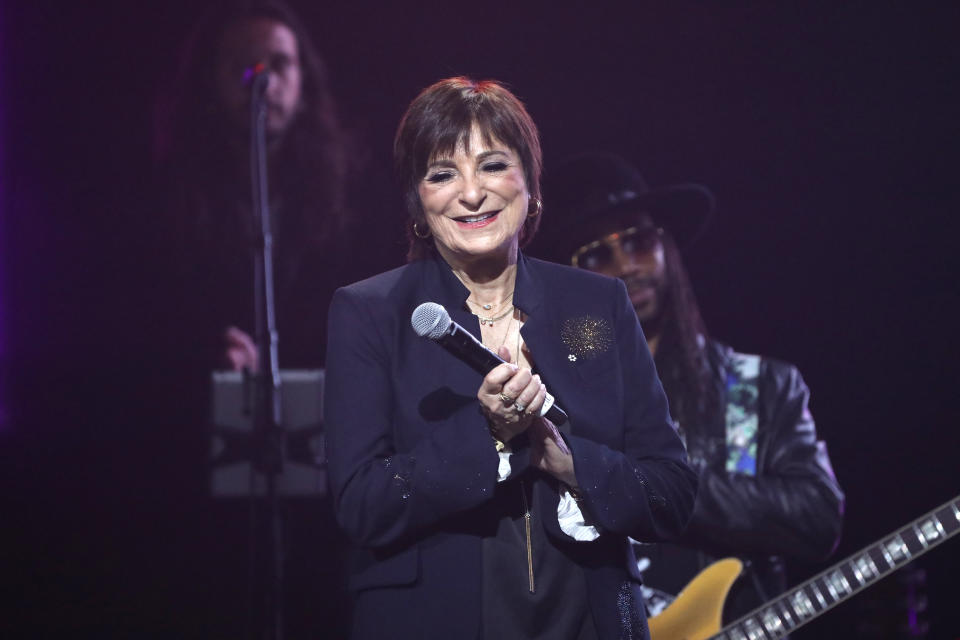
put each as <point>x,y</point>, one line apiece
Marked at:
<point>463,344</point>
<point>555,414</point>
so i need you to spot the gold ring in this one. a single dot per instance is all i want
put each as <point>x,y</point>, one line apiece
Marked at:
<point>505,398</point>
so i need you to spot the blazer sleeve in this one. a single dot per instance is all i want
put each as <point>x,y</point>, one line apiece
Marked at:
<point>646,490</point>
<point>794,507</point>
<point>387,490</point>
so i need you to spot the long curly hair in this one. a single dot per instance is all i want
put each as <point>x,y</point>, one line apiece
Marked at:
<point>195,148</point>
<point>682,358</point>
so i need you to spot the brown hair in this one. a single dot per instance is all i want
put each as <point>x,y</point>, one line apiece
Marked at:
<point>442,117</point>
<point>192,136</point>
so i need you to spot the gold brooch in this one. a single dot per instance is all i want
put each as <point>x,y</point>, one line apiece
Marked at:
<point>586,337</point>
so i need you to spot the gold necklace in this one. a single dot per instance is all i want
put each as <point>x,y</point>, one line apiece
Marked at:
<point>486,320</point>
<point>490,321</point>
<point>487,307</point>
<point>519,325</point>
<point>506,334</point>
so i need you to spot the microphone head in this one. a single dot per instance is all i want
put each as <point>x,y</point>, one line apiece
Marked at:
<point>252,73</point>
<point>430,320</point>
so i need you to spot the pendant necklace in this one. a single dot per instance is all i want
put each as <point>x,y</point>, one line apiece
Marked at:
<point>490,321</point>
<point>486,307</point>
<point>506,334</point>
<point>487,320</point>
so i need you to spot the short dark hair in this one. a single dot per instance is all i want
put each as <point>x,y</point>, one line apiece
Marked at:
<point>442,117</point>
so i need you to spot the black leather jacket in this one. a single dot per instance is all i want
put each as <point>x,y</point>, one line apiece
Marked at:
<point>791,508</point>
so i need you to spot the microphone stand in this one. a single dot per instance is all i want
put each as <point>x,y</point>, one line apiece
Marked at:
<point>269,439</point>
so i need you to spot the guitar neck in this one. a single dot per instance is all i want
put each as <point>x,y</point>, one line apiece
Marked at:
<point>824,591</point>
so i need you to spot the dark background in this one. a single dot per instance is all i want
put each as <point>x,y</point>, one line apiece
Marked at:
<point>828,133</point>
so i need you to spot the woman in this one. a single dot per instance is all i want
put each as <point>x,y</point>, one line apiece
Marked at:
<point>474,516</point>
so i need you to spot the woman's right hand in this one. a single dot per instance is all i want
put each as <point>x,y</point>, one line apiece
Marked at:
<point>511,398</point>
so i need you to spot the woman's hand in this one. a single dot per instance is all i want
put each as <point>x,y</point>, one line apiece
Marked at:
<point>550,453</point>
<point>511,398</point>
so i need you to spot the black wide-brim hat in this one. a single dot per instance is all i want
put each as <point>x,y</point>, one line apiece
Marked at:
<point>596,193</point>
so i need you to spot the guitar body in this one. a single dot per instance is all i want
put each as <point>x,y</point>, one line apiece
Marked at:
<point>697,611</point>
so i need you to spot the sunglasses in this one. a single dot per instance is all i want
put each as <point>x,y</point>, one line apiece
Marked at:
<point>601,253</point>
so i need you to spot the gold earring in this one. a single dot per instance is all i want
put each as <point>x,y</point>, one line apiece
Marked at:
<point>416,232</point>
<point>539,208</point>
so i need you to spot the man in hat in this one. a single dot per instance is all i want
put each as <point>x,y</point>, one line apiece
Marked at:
<point>767,489</point>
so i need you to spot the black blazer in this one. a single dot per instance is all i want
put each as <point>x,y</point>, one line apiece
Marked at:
<point>411,461</point>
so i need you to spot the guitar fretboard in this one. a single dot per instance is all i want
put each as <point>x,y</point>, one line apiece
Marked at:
<point>805,602</point>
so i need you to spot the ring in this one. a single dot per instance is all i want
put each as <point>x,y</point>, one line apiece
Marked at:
<point>519,406</point>
<point>505,398</point>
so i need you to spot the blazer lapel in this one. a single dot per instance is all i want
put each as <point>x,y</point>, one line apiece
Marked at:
<point>541,333</point>
<point>440,285</point>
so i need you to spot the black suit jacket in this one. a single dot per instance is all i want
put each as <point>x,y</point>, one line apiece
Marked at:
<point>412,462</point>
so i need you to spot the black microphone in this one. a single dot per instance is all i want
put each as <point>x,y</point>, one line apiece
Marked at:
<point>431,320</point>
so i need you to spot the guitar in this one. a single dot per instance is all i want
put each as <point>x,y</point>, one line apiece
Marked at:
<point>696,613</point>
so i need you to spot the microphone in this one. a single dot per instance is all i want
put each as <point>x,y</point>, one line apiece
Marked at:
<point>431,320</point>
<point>257,78</point>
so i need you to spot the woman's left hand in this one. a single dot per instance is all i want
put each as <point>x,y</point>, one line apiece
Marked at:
<point>550,453</point>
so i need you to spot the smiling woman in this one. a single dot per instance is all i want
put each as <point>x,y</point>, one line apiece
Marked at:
<point>475,202</point>
<point>445,481</point>
<point>460,117</point>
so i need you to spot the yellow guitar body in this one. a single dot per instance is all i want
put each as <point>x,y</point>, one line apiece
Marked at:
<point>696,613</point>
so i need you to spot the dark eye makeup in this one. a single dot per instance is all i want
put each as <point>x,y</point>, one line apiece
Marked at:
<point>439,176</point>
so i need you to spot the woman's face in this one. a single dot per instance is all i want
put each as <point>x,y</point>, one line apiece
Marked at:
<point>272,43</point>
<point>475,201</point>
